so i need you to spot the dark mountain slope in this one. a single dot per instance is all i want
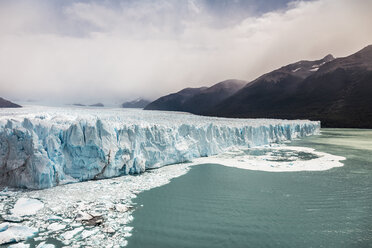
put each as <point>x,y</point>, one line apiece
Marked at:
<point>138,103</point>
<point>197,100</point>
<point>266,92</point>
<point>213,95</point>
<point>97,105</point>
<point>175,101</point>
<point>7,104</point>
<point>339,94</point>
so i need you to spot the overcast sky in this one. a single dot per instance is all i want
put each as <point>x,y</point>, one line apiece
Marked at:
<point>111,51</point>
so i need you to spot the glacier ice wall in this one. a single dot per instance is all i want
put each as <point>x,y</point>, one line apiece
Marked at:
<point>41,147</point>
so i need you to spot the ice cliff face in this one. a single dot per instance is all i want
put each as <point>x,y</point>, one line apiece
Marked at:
<point>41,147</point>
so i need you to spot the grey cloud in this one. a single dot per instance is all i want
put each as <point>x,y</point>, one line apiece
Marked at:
<point>110,51</point>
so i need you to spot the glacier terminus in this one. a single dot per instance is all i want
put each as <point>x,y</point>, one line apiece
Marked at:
<point>42,147</point>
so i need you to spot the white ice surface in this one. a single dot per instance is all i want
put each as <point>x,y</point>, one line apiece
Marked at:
<point>19,245</point>
<point>276,159</point>
<point>56,227</point>
<point>41,147</point>
<point>10,232</point>
<point>26,206</point>
<point>110,198</point>
<point>45,245</point>
<point>71,234</point>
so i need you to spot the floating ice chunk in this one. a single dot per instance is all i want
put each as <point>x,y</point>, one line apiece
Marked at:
<point>121,208</point>
<point>54,218</point>
<point>10,233</point>
<point>45,245</point>
<point>5,192</point>
<point>56,227</point>
<point>27,206</point>
<point>4,226</point>
<point>81,216</point>
<point>87,233</point>
<point>128,229</point>
<point>276,159</point>
<point>108,229</point>
<point>19,245</point>
<point>12,218</point>
<point>70,234</point>
<point>75,224</point>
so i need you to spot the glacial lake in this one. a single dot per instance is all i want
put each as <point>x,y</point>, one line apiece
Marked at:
<point>217,206</point>
<point>313,192</point>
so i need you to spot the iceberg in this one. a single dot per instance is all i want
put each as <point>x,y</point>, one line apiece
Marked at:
<point>278,158</point>
<point>42,147</point>
<point>11,233</point>
<point>45,245</point>
<point>26,206</point>
<point>19,245</point>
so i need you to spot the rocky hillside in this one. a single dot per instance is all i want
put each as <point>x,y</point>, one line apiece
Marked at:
<point>8,104</point>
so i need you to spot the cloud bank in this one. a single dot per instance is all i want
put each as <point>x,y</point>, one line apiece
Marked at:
<point>111,51</point>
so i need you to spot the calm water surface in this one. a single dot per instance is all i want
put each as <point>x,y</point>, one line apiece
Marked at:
<point>217,206</point>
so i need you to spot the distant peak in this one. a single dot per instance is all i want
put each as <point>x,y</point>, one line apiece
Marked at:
<point>192,90</point>
<point>367,49</point>
<point>328,58</point>
<point>231,82</point>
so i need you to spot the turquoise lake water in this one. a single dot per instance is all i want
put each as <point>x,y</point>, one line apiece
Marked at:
<point>217,206</point>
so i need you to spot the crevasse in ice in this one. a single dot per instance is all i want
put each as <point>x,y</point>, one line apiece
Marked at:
<point>41,147</point>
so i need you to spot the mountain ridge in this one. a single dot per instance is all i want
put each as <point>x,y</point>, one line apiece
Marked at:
<point>8,104</point>
<point>197,100</point>
<point>336,91</point>
<point>137,103</point>
<point>337,94</point>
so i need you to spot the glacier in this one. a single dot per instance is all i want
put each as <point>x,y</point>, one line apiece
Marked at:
<point>42,147</point>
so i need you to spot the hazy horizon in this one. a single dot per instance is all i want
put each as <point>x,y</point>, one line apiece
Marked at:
<point>111,51</point>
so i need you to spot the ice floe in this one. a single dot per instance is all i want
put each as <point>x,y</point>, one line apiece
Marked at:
<point>10,232</point>
<point>45,245</point>
<point>92,213</point>
<point>19,245</point>
<point>26,206</point>
<point>276,159</point>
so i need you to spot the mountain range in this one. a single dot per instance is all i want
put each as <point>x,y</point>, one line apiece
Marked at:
<point>138,103</point>
<point>197,100</point>
<point>338,92</point>
<point>8,104</point>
